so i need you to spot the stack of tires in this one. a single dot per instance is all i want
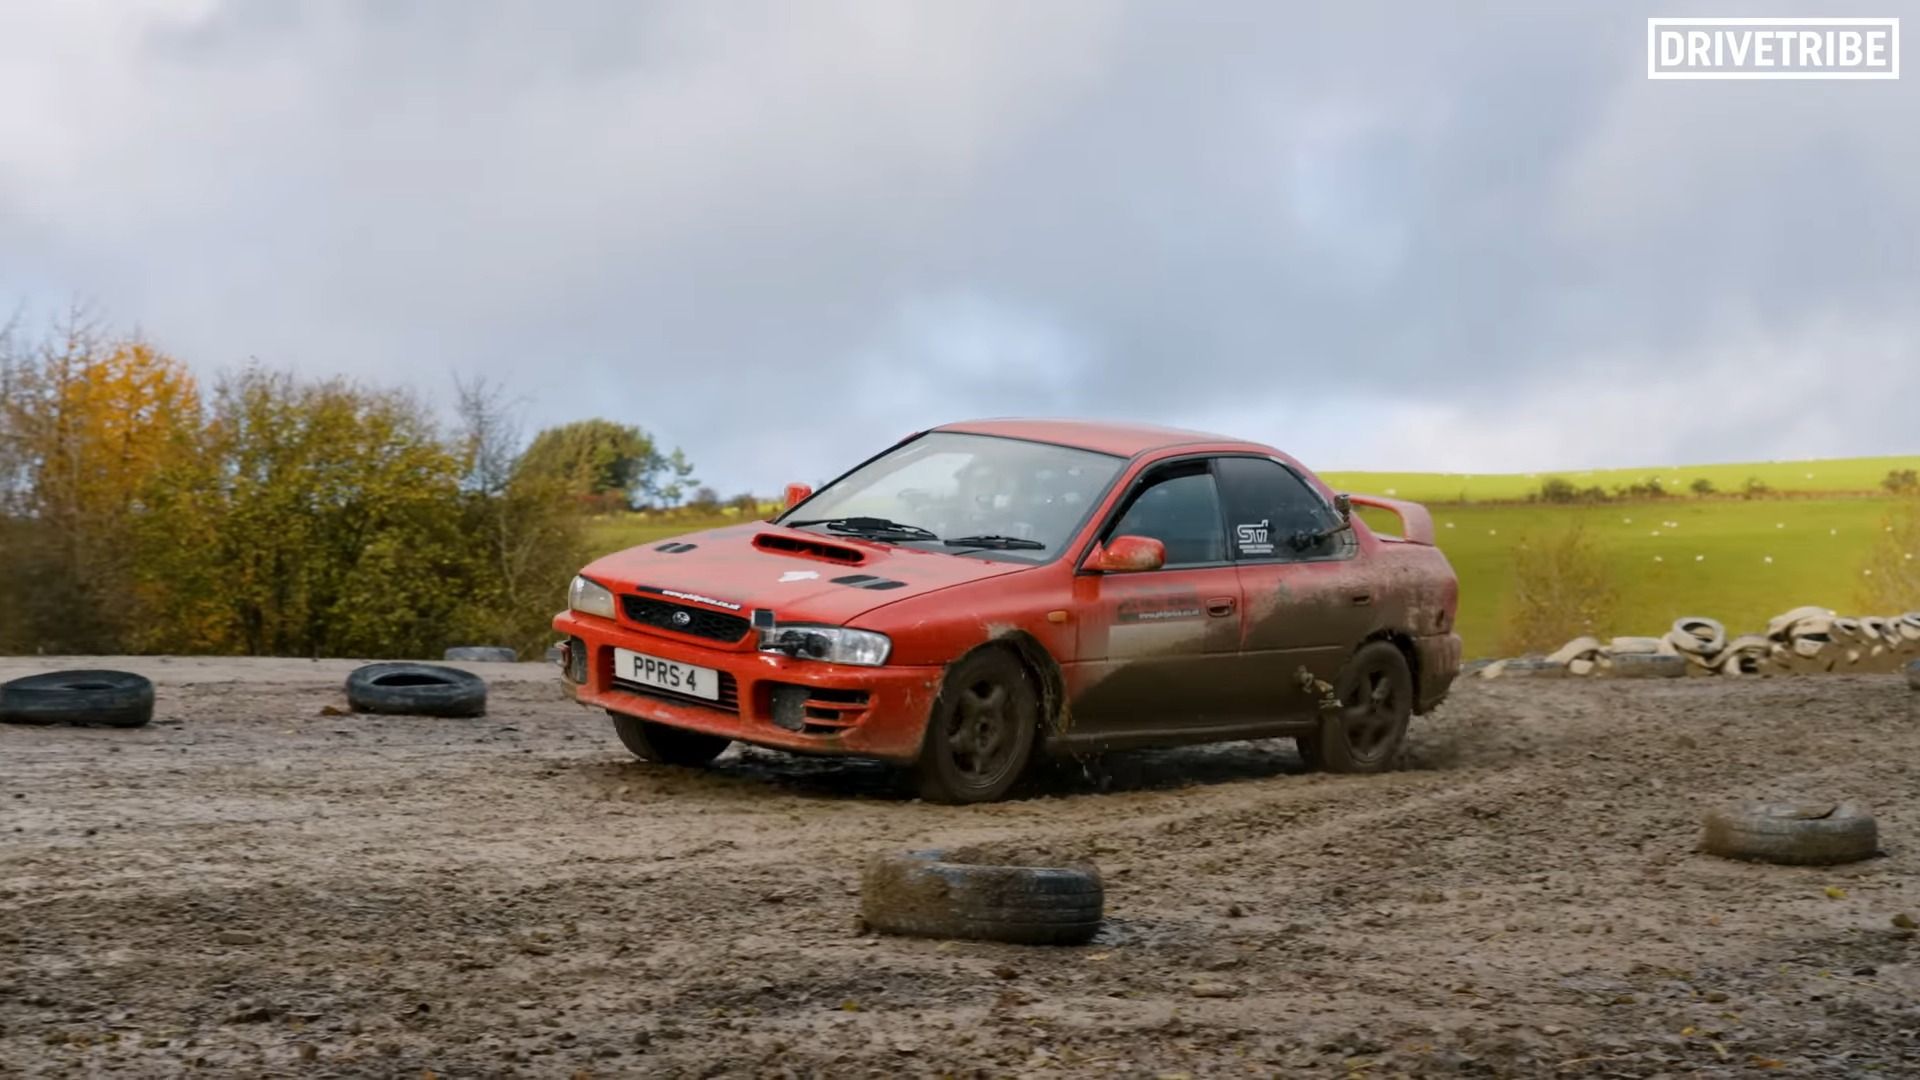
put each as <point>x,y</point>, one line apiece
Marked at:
<point>1804,641</point>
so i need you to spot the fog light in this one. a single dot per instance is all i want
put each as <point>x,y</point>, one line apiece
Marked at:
<point>573,658</point>
<point>790,707</point>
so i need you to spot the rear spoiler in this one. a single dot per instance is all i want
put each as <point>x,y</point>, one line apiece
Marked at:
<point>1416,525</point>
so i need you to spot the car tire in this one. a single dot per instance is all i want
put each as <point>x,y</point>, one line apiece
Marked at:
<point>104,698</point>
<point>922,894</point>
<point>1794,834</point>
<point>481,654</point>
<point>980,731</point>
<point>401,689</point>
<point>1913,675</point>
<point>1364,733</point>
<point>664,744</point>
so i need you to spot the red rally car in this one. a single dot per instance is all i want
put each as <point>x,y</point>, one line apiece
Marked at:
<point>984,592</point>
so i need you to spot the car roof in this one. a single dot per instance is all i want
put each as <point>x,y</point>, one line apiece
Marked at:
<point>1125,440</point>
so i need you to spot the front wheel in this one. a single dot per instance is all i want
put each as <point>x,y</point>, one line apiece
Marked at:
<point>666,745</point>
<point>980,732</point>
<point>1363,733</point>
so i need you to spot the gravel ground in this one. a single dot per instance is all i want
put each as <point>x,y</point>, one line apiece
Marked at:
<point>256,885</point>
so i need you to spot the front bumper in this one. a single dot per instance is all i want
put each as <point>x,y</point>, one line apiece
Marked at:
<point>803,706</point>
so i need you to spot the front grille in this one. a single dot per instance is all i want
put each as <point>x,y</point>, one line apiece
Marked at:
<point>700,622</point>
<point>729,700</point>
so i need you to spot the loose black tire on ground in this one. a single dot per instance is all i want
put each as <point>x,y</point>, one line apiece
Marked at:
<point>1649,666</point>
<point>1363,734</point>
<point>1532,667</point>
<point>106,698</point>
<point>1797,834</point>
<point>980,731</point>
<point>399,689</point>
<point>481,654</point>
<point>665,745</point>
<point>923,895</point>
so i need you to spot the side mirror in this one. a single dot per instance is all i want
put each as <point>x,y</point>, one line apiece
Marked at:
<point>1343,505</point>
<point>1129,555</point>
<point>797,494</point>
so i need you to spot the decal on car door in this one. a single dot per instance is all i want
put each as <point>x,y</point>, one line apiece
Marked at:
<point>1254,538</point>
<point>1184,605</point>
<point>1158,624</point>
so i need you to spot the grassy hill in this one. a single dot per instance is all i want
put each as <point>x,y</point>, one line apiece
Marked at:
<point>1738,560</point>
<point>1830,476</point>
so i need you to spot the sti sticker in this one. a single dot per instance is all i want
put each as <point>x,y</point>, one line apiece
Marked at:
<point>1253,539</point>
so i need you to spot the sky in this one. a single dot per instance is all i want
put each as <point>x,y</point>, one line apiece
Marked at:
<point>783,233</point>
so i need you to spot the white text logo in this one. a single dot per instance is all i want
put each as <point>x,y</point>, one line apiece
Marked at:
<point>1773,48</point>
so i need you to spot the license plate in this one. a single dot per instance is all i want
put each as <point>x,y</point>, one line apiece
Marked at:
<point>700,682</point>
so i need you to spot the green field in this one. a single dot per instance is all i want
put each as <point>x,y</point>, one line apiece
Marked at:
<point>1737,560</point>
<point>1832,476</point>
<point>616,532</point>
<point>1714,562</point>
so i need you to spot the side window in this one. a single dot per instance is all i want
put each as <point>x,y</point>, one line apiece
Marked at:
<point>1273,515</point>
<point>1180,508</point>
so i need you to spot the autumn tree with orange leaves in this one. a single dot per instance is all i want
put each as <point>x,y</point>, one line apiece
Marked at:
<point>88,423</point>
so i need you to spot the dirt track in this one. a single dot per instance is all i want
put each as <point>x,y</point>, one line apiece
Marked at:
<point>256,888</point>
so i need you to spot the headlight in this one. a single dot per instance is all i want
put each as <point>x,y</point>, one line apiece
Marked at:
<point>590,599</point>
<point>834,644</point>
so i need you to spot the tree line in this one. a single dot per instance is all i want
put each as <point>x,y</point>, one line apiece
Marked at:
<point>271,514</point>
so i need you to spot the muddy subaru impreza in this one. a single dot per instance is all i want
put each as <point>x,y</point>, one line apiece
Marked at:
<point>983,593</point>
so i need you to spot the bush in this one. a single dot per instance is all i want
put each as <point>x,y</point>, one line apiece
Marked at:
<point>316,519</point>
<point>1561,491</point>
<point>1556,489</point>
<point>1562,589</point>
<point>1755,488</point>
<point>1901,481</point>
<point>1702,487</point>
<point>1650,488</point>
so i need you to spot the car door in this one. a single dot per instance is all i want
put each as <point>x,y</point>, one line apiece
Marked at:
<point>1307,603</point>
<point>1154,645</point>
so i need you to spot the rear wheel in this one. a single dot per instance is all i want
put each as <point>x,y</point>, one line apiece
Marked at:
<point>1363,734</point>
<point>980,733</point>
<point>667,745</point>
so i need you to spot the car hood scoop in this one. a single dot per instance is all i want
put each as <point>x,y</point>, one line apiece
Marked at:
<point>791,544</point>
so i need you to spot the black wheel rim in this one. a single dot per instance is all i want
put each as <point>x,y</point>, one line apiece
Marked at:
<point>1371,712</point>
<point>980,732</point>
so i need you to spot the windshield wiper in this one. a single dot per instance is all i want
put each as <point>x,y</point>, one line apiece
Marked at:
<point>1004,543</point>
<point>867,526</point>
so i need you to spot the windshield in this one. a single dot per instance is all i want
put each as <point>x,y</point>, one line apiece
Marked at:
<point>1014,499</point>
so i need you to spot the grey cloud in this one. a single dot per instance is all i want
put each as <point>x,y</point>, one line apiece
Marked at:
<point>781,234</point>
